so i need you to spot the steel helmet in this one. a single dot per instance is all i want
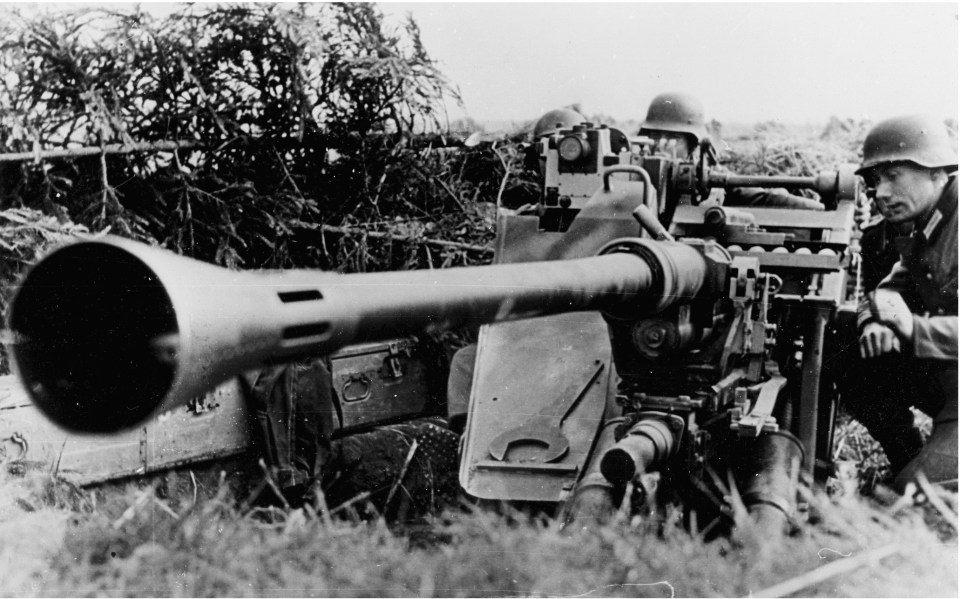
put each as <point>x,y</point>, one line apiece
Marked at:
<point>922,140</point>
<point>556,120</point>
<point>676,112</point>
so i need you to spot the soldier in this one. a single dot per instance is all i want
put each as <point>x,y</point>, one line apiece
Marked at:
<point>524,198</point>
<point>908,325</point>
<point>556,120</point>
<point>675,123</point>
<point>294,408</point>
<point>548,124</point>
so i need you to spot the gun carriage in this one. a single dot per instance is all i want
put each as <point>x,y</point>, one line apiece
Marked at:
<point>634,335</point>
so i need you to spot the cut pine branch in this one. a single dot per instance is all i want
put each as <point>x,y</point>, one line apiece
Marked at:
<point>456,245</point>
<point>79,152</point>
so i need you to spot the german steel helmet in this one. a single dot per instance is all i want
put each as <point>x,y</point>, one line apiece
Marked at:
<point>556,120</point>
<point>677,112</point>
<point>919,139</point>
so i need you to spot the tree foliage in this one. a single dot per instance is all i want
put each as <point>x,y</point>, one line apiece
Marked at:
<point>291,116</point>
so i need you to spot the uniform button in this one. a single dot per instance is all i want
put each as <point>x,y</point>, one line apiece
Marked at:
<point>941,311</point>
<point>929,276</point>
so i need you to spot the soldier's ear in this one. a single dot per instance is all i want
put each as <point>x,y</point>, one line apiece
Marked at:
<point>939,176</point>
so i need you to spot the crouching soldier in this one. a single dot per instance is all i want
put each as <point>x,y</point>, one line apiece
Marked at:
<point>908,325</point>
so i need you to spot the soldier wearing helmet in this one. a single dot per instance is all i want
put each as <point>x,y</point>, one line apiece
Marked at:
<point>676,124</point>
<point>556,120</point>
<point>551,122</point>
<point>908,325</point>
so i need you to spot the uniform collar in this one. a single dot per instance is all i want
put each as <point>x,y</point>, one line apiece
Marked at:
<point>946,206</point>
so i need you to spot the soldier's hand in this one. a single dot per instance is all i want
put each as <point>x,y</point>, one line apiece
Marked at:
<point>890,309</point>
<point>878,339</point>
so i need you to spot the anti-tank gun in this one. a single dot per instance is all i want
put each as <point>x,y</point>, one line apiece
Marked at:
<point>702,373</point>
<point>727,381</point>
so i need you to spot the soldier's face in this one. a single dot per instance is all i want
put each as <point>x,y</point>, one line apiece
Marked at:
<point>904,192</point>
<point>674,146</point>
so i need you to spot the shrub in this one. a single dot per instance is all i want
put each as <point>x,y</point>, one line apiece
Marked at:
<point>282,119</point>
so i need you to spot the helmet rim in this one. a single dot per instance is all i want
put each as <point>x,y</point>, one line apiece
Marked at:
<point>677,113</point>
<point>918,139</point>
<point>556,120</point>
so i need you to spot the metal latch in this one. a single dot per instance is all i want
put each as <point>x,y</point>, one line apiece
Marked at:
<point>744,271</point>
<point>392,366</point>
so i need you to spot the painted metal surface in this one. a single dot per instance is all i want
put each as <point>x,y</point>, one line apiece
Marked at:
<point>521,369</point>
<point>96,364</point>
<point>388,375</point>
<point>215,426</point>
<point>380,383</point>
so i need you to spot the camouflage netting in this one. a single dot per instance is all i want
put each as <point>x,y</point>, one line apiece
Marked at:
<point>280,119</point>
<point>255,136</point>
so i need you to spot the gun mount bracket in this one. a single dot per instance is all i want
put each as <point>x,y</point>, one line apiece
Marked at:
<point>760,418</point>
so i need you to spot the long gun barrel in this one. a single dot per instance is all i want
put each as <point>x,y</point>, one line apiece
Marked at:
<point>842,183</point>
<point>107,332</point>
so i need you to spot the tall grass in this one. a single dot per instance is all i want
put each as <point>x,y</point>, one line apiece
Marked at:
<point>127,541</point>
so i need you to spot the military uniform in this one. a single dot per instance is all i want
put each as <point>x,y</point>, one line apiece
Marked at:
<point>924,375</point>
<point>294,407</point>
<point>927,275</point>
<point>870,390</point>
<point>878,252</point>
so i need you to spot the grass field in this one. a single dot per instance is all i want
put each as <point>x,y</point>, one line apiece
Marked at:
<point>185,534</point>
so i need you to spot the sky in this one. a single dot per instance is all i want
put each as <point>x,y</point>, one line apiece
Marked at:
<point>747,62</point>
<point>797,63</point>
